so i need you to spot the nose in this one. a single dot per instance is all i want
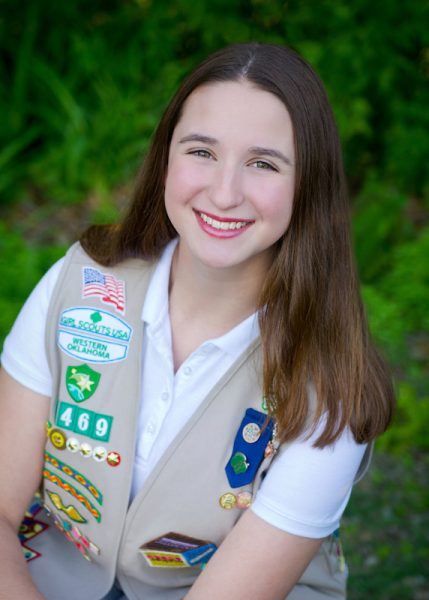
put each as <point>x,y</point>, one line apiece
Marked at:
<point>226,190</point>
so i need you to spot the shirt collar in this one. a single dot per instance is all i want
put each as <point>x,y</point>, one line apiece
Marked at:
<point>155,309</point>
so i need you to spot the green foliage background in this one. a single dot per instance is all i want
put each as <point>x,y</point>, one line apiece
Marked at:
<point>82,85</point>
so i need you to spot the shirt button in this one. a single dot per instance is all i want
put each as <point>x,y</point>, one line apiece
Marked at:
<point>150,428</point>
<point>187,370</point>
<point>164,396</point>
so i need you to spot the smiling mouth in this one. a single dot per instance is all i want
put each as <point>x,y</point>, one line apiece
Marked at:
<point>223,224</point>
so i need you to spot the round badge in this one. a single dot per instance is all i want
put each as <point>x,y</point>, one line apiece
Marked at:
<point>73,444</point>
<point>58,438</point>
<point>85,450</point>
<point>228,501</point>
<point>99,454</point>
<point>113,459</point>
<point>251,432</point>
<point>244,500</point>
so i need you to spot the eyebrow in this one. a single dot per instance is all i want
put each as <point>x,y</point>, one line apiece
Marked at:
<point>198,137</point>
<point>205,139</point>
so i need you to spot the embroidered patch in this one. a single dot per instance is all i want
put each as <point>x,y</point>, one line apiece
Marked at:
<point>74,535</point>
<point>108,288</point>
<point>29,528</point>
<point>74,474</point>
<point>176,550</point>
<point>93,335</point>
<point>87,320</point>
<point>70,510</point>
<point>86,422</point>
<point>73,491</point>
<point>81,382</point>
<point>91,349</point>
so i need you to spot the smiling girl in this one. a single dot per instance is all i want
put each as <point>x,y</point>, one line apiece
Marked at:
<point>227,425</point>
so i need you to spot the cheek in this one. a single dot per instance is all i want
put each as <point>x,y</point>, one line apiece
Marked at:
<point>275,203</point>
<point>181,183</point>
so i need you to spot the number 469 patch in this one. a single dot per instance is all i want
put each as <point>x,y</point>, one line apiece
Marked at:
<point>84,421</point>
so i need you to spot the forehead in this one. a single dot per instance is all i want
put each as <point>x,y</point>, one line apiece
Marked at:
<point>235,108</point>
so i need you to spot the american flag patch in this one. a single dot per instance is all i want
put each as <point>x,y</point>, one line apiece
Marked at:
<point>110,289</point>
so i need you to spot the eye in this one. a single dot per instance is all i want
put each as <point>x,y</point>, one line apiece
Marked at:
<point>200,152</point>
<point>262,164</point>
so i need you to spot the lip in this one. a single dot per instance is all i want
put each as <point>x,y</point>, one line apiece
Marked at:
<point>221,233</point>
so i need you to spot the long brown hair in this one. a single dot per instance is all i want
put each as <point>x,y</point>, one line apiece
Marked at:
<point>312,322</point>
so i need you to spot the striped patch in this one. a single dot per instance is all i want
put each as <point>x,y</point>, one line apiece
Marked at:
<point>74,474</point>
<point>73,491</point>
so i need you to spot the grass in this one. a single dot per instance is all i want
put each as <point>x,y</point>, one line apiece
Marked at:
<point>385,531</point>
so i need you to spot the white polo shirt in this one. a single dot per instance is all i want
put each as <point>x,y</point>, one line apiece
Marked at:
<point>306,489</point>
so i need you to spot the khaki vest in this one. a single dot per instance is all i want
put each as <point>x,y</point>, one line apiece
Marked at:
<point>91,447</point>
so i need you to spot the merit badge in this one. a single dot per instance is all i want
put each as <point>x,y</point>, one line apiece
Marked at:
<point>228,500</point>
<point>104,286</point>
<point>251,433</point>
<point>244,500</point>
<point>72,444</point>
<point>29,528</point>
<point>99,454</point>
<point>176,550</point>
<point>81,382</point>
<point>85,450</point>
<point>58,438</point>
<point>255,431</point>
<point>113,459</point>
<point>70,510</point>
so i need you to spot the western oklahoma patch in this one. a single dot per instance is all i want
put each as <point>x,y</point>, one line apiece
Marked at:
<point>93,335</point>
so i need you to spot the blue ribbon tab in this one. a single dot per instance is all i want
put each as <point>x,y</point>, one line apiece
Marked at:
<point>251,439</point>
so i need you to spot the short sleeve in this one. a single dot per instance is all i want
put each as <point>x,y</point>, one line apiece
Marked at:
<point>24,354</point>
<point>306,490</point>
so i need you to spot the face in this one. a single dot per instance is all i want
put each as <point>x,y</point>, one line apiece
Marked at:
<point>230,180</point>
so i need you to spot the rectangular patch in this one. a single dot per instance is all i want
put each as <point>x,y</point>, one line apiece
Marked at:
<point>83,421</point>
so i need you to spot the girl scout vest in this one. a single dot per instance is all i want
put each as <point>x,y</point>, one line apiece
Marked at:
<point>84,532</point>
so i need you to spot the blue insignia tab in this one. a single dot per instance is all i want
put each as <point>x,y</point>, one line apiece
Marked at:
<point>251,439</point>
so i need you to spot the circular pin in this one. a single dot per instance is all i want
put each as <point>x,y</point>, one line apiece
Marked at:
<point>113,459</point>
<point>251,433</point>
<point>58,438</point>
<point>86,450</point>
<point>228,501</point>
<point>72,444</point>
<point>99,454</point>
<point>244,500</point>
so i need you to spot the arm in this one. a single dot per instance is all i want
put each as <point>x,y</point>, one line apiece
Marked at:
<point>23,414</point>
<point>256,560</point>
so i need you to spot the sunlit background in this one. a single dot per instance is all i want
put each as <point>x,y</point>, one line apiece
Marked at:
<point>82,85</point>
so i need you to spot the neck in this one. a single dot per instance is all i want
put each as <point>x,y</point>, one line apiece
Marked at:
<point>224,291</point>
<point>206,302</point>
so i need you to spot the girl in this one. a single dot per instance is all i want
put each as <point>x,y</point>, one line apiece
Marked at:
<point>207,359</point>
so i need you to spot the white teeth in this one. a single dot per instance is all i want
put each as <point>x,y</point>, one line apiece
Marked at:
<point>224,225</point>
